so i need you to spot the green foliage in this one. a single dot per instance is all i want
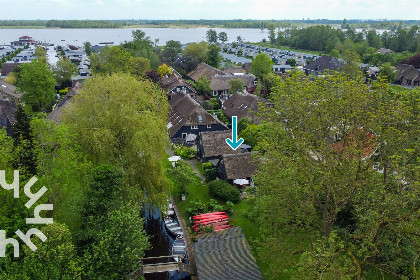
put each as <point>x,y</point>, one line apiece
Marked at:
<point>197,50</point>
<point>203,85</point>
<point>164,70</point>
<point>210,171</point>
<point>214,58</point>
<point>11,78</point>
<point>118,246</point>
<point>198,207</point>
<point>185,152</point>
<point>207,105</point>
<point>261,65</point>
<point>318,149</point>
<point>328,260</point>
<point>139,66</point>
<point>243,124</point>
<point>64,70</point>
<point>88,48</point>
<point>224,191</point>
<point>215,103</point>
<point>388,72</point>
<point>37,82</point>
<point>211,36</point>
<point>172,49</point>
<point>24,147</point>
<point>236,85</point>
<point>142,46</point>
<point>183,176</point>
<point>110,60</point>
<point>222,36</point>
<point>291,61</point>
<point>122,121</point>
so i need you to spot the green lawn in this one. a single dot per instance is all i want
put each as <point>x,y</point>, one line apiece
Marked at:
<point>200,168</point>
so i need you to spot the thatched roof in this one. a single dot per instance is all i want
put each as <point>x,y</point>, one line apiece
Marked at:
<point>408,72</point>
<point>9,90</point>
<point>225,255</point>
<point>243,105</point>
<point>174,81</point>
<point>323,63</point>
<point>214,143</point>
<point>233,70</point>
<point>222,82</point>
<point>7,112</point>
<point>240,165</point>
<point>206,70</point>
<point>185,111</point>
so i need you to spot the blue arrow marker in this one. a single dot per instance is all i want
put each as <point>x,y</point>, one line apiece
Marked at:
<point>234,143</point>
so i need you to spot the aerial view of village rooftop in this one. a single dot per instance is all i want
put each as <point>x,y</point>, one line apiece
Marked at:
<point>210,140</point>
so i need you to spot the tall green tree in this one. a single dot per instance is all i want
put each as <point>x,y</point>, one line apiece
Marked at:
<point>211,36</point>
<point>197,50</point>
<point>142,46</point>
<point>88,48</point>
<point>203,85</point>
<point>122,121</point>
<point>222,36</point>
<point>63,71</point>
<point>37,84</point>
<point>261,65</point>
<point>323,172</point>
<point>172,49</point>
<point>236,85</point>
<point>110,60</point>
<point>214,58</point>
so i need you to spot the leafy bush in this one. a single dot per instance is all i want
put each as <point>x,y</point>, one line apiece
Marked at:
<point>215,103</point>
<point>224,191</point>
<point>208,105</point>
<point>210,172</point>
<point>185,152</point>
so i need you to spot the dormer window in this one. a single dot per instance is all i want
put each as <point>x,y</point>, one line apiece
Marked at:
<point>194,127</point>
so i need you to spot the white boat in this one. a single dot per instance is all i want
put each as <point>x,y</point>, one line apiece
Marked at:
<point>178,248</point>
<point>172,226</point>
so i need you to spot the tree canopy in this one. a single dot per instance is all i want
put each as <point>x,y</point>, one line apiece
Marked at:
<point>122,121</point>
<point>37,84</point>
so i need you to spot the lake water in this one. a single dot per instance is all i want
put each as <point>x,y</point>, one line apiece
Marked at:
<point>96,36</point>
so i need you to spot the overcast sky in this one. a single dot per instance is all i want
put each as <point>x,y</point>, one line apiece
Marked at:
<point>209,9</point>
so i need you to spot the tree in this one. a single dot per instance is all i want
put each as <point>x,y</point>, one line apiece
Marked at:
<point>63,72</point>
<point>202,85</point>
<point>11,78</point>
<point>197,50</point>
<point>118,246</point>
<point>55,259</point>
<point>213,56</point>
<point>37,83</point>
<point>153,76</point>
<point>272,33</point>
<point>110,60</point>
<point>25,155</point>
<point>211,36</point>
<point>164,70</point>
<point>139,66</point>
<point>291,61</point>
<point>236,85</point>
<point>187,63</point>
<point>223,37</point>
<point>323,172</point>
<point>387,71</point>
<point>261,65</point>
<point>351,64</point>
<point>122,121</point>
<point>88,48</point>
<point>142,46</point>
<point>172,49</point>
<point>243,124</point>
<point>41,54</point>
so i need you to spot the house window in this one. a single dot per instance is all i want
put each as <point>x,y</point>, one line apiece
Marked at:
<point>194,127</point>
<point>184,135</point>
<point>214,93</point>
<point>408,82</point>
<point>177,89</point>
<point>209,126</point>
<point>255,82</point>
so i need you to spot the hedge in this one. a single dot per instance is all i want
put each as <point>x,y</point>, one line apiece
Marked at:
<point>224,191</point>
